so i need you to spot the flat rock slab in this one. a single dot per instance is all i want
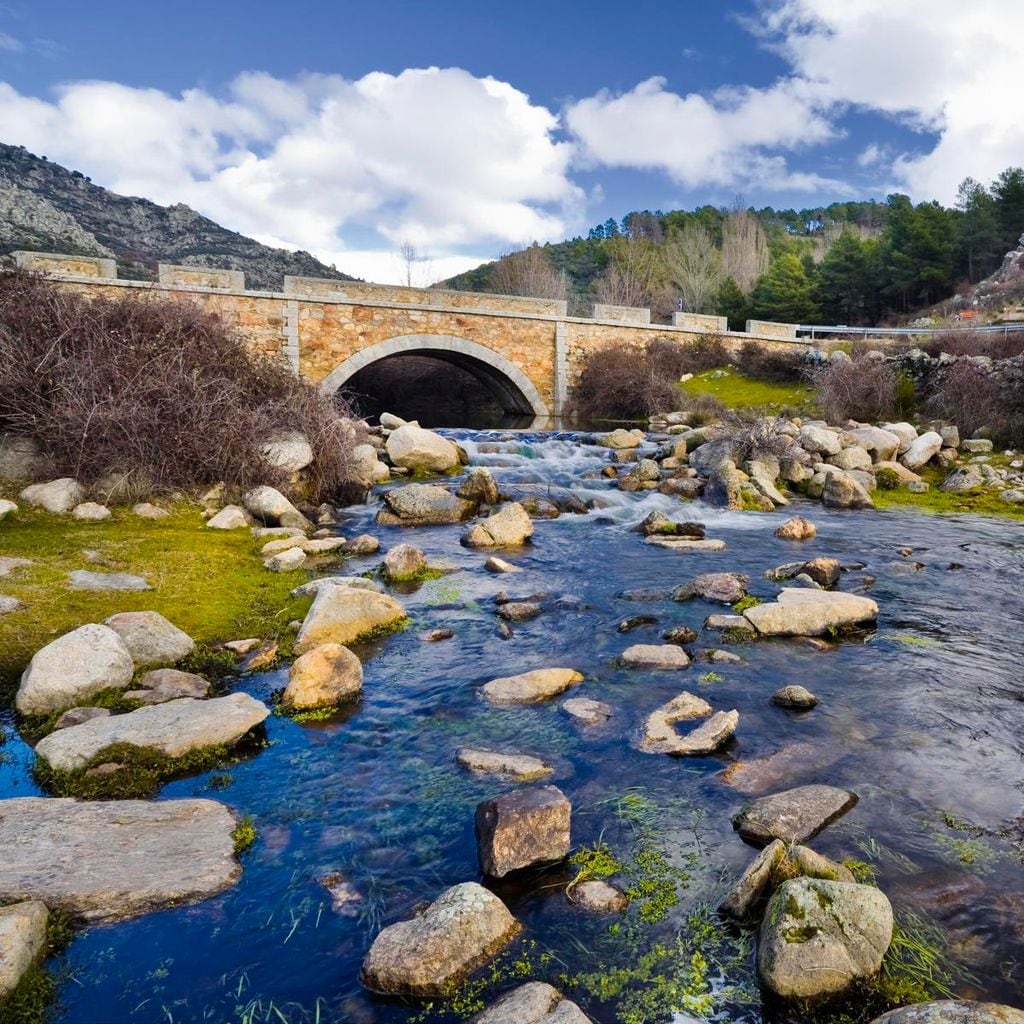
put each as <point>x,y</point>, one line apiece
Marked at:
<point>9,564</point>
<point>798,612</point>
<point>530,687</point>
<point>109,860</point>
<point>794,815</point>
<point>173,729</point>
<point>493,762</point>
<point>87,579</point>
<point>687,545</point>
<point>462,929</point>
<point>22,939</point>
<point>659,656</point>
<point>342,615</point>
<point>952,1011</point>
<point>587,711</point>
<point>718,587</point>
<point>533,1003</point>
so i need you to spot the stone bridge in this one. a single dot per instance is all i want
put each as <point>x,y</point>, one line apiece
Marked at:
<point>528,352</point>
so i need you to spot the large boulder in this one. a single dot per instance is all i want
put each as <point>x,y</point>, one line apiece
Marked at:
<point>883,445</point>
<point>906,432</point>
<point>108,860</point>
<point>323,677</point>
<point>152,641</point>
<point>794,815</point>
<point>273,508</point>
<point>618,439</point>
<point>21,458</point>
<point>854,457</point>
<point>423,505</point>
<point>343,615</point>
<point>173,729</point>
<point>717,587</point>
<point>530,687</point>
<point>73,668</point>
<point>509,526</point>
<point>818,937</point>
<point>844,490</point>
<point>56,496</point>
<point>414,448</point>
<point>522,829</point>
<point>427,954</point>
<point>923,449</point>
<point>290,452</point>
<point>660,735</point>
<point>819,440</point>
<point>533,1003</point>
<point>22,941</point>
<point>962,480</point>
<point>799,612</point>
<point>952,1011</point>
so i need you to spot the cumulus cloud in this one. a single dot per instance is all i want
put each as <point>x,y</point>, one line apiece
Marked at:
<point>731,137</point>
<point>435,157</point>
<point>939,66</point>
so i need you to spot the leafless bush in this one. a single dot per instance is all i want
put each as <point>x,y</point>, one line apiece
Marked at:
<point>707,352</point>
<point>763,438</point>
<point>976,343</point>
<point>156,389</point>
<point>529,272</point>
<point>763,363</point>
<point>745,254</point>
<point>862,389</point>
<point>968,396</point>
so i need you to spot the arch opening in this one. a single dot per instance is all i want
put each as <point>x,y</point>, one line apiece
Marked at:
<point>440,380</point>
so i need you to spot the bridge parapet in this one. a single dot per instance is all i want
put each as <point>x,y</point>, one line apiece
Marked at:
<point>702,322</point>
<point>770,329</point>
<point>200,277</point>
<point>59,263</point>
<point>621,314</point>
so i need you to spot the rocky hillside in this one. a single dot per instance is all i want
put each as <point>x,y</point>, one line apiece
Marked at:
<point>47,207</point>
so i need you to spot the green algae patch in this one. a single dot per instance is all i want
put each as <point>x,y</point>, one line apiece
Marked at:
<point>243,835</point>
<point>140,771</point>
<point>980,502</point>
<point>210,583</point>
<point>737,391</point>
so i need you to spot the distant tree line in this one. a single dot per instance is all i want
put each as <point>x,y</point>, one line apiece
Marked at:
<point>847,263</point>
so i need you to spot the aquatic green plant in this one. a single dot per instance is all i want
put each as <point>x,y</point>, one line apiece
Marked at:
<point>745,602</point>
<point>243,835</point>
<point>710,677</point>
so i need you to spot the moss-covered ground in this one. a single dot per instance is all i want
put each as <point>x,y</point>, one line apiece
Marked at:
<point>981,502</point>
<point>210,583</point>
<point>737,391</point>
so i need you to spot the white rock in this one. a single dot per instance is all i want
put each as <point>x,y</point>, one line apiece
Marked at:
<point>923,448</point>
<point>819,440</point>
<point>73,668</point>
<point>509,526</point>
<point>87,579</point>
<point>172,729</point>
<point>415,448</point>
<point>6,507</point>
<point>271,506</point>
<point>231,517</point>
<point>906,432</point>
<point>146,510</point>
<point>152,640</point>
<point>56,496</point>
<point>660,656</point>
<point>286,561</point>
<point>313,587</point>
<point>22,941</point>
<point>798,612</point>
<point>91,512</point>
<point>290,452</point>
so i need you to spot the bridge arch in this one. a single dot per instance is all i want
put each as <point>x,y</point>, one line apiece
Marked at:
<point>514,388</point>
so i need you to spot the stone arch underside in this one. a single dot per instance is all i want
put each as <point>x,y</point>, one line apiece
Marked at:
<point>506,381</point>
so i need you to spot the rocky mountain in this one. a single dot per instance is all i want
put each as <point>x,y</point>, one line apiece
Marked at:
<point>46,207</point>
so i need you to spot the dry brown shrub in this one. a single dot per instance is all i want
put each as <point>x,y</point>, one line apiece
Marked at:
<point>859,389</point>
<point>968,396</point>
<point>976,343</point>
<point>770,364</point>
<point>155,389</point>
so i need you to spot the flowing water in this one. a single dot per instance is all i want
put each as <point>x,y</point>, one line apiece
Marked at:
<point>923,718</point>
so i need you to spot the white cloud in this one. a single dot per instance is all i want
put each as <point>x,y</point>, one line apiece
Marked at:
<point>10,44</point>
<point>436,157</point>
<point>939,66</point>
<point>730,138</point>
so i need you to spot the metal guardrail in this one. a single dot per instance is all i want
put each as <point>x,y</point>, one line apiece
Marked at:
<point>818,330</point>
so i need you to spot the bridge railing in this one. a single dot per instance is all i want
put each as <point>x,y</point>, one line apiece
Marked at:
<point>814,331</point>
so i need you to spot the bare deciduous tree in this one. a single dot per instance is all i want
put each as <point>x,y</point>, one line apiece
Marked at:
<point>415,265</point>
<point>635,275</point>
<point>528,272</point>
<point>744,249</point>
<point>694,266</point>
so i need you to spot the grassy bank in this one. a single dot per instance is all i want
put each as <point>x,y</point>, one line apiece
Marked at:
<point>737,391</point>
<point>210,583</point>
<point>980,502</point>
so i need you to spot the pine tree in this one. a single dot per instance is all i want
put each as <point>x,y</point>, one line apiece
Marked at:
<point>733,304</point>
<point>978,236</point>
<point>842,280</point>
<point>785,293</point>
<point>1008,193</point>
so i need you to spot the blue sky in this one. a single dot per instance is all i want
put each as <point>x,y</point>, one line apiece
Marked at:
<point>468,129</point>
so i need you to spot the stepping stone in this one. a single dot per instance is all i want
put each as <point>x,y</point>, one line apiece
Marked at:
<point>794,815</point>
<point>110,860</point>
<point>87,579</point>
<point>659,656</point>
<point>530,687</point>
<point>660,735</point>
<point>522,829</point>
<point>9,604</point>
<point>533,1003</point>
<point>587,711</point>
<point>687,545</point>
<point>798,612</point>
<point>492,762</point>
<point>9,565</point>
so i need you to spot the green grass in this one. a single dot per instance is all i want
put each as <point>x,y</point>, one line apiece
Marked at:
<point>980,502</point>
<point>736,391</point>
<point>210,583</point>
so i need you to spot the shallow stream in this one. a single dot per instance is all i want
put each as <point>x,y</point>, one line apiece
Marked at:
<point>923,718</point>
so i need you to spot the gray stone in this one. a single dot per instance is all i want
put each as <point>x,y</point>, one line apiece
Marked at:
<point>164,684</point>
<point>977,445</point>
<point>231,517</point>
<point>599,897</point>
<point>76,716</point>
<point>799,612</point>
<point>22,941</point>
<point>843,490</point>
<point>495,564</point>
<point>952,1011</point>
<point>492,762</point>
<point>743,900</point>
<point>91,511</point>
<point>619,439</point>
<point>9,565</point>
<point>313,587</point>
<point>508,527</point>
<point>794,697</point>
<point>364,544</point>
<point>794,815</point>
<point>818,937</point>
<point>851,458</point>
<point>522,829</point>
<point>587,711</point>
<point>530,687</point>
<point>323,677</point>
<point>109,860</point>
<point>656,656</point>
<point>718,587</point>
<point>172,729</point>
<point>479,486</point>
<point>21,458</point>
<point>687,545</point>
<point>6,507</point>
<point>519,611</point>
<point>796,528</point>
<point>57,496</point>
<point>289,560</point>
<point>151,639</point>
<point>532,1003</point>
<point>423,505</point>
<point>273,508</point>
<point>923,449</point>
<point>427,954</point>
<point>884,445</point>
<point>414,448</point>
<point>962,480</point>
<point>149,511</point>
<point>404,562</point>
<point>341,615</point>
<point>906,432</point>
<point>734,623</point>
<point>819,440</point>
<point>660,735</point>
<point>73,668</point>
<point>88,579</point>
<point>290,452</point>
<point>9,604</point>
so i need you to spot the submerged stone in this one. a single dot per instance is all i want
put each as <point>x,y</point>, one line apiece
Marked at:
<point>794,815</point>
<point>533,1003</point>
<point>952,1011</point>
